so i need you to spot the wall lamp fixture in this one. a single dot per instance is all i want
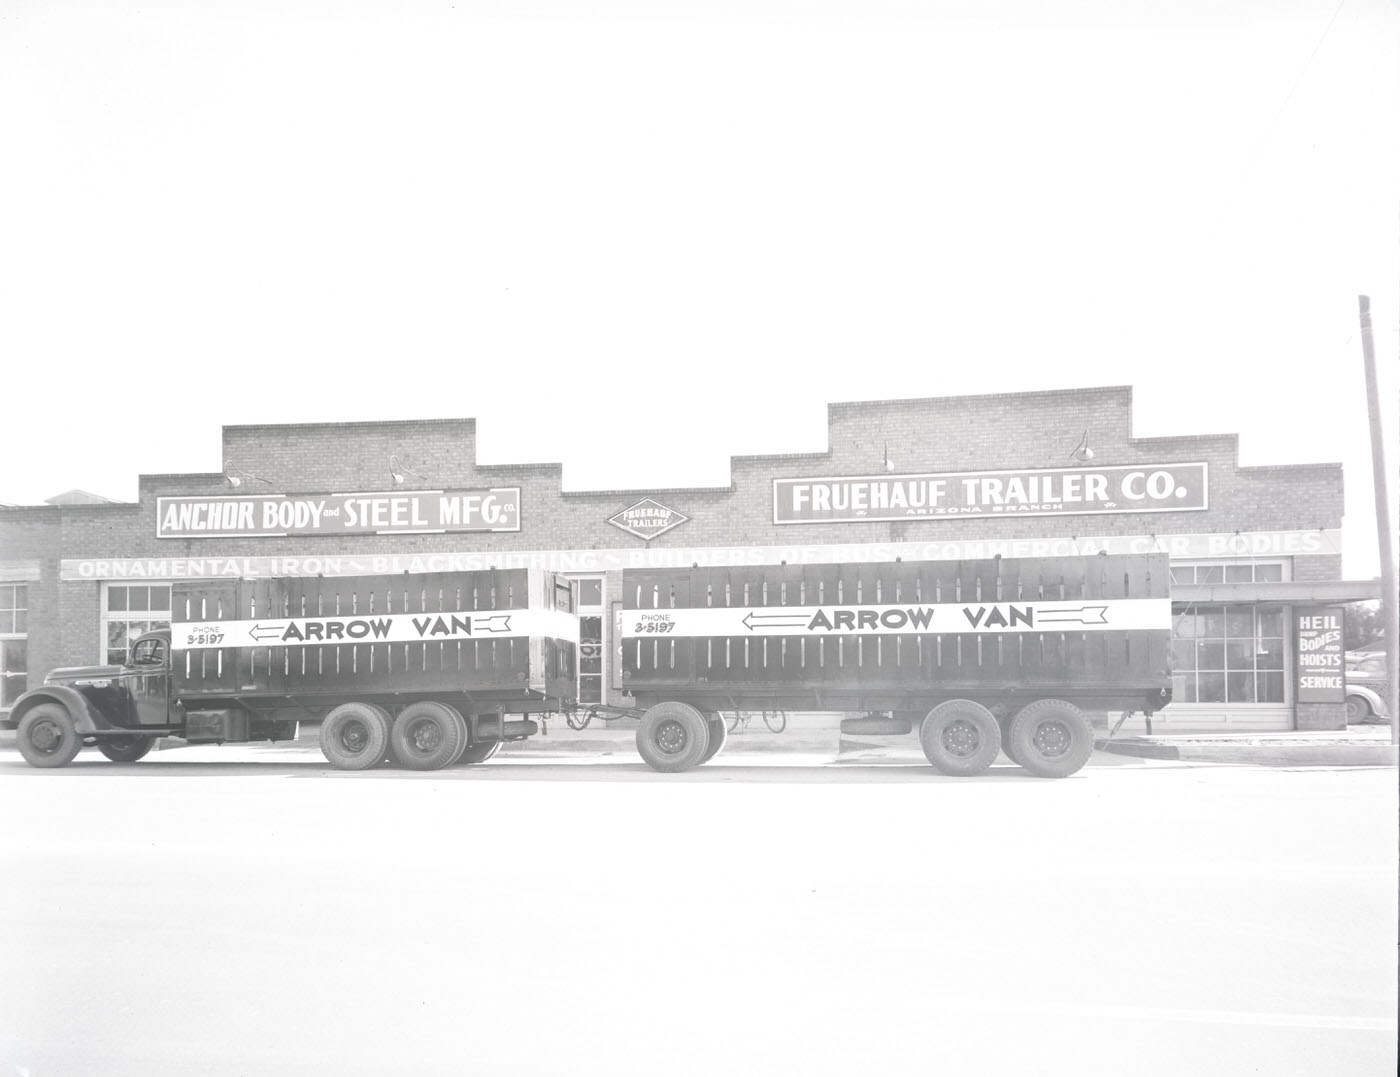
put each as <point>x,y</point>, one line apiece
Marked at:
<point>235,475</point>
<point>399,472</point>
<point>1082,452</point>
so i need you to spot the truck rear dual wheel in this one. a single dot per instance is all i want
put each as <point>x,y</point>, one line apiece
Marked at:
<point>428,736</point>
<point>1051,738</point>
<point>48,736</point>
<point>960,737</point>
<point>673,737</point>
<point>125,749</point>
<point>355,736</point>
<point>719,734</point>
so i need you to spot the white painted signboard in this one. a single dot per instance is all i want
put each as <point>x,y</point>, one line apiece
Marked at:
<point>1069,615</point>
<point>442,627</point>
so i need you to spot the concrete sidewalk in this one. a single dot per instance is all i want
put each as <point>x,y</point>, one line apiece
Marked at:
<point>1355,746</point>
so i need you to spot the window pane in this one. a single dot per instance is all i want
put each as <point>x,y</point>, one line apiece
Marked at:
<point>1268,573</point>
<point>15,656</point>
<point>590,592</point>
<point>1210,655</point>
<point>1212,623</point>
<point>7,621</point>
<point>116,656</point>
<point>1210,688</point>
<point>1272,658</point>
<point>116,634</point>
<point>116,599</point>
<point>1239,655</point>
<point>160,597</point>
<point>1239,573</point>
<point>1183,654</point>
<point>1184,625</point>
<point>1209,574</point>
<point>138,598</point>
<point>1187,693</point>
<point>1183,574</point>
<point>21,619</point>
<point>1241,688</point>
<point>1239,622</point>
<point>21,597</point>
<point>1270,621</point>
<point>7,598</point>
<point>1271,688</point>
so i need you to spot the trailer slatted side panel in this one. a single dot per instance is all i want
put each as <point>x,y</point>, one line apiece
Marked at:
<point>969,660</point>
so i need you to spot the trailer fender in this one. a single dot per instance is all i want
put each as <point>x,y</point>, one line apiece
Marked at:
<point>86,717</point>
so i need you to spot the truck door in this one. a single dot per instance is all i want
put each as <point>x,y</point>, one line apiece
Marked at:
<point>150,682</point>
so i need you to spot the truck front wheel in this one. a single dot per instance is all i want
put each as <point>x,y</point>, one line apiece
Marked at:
<point>355,736</point>
<point>48,737</point>
<point>673,737</point>
<point>960,737</point>
<point>125,749</point>
<point>1051,738</point>
<point>428,736</point>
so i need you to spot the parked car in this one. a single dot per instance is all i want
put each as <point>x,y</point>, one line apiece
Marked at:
<point>1366,688</point>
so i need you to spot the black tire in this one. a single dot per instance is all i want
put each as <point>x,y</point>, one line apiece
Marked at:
<point>355,736</point>
<point>479,752</point>
<point>1004,724</point>
<point>1359,710</point>
<point>775,720</point>
<point>719,733</point>
<point>673,737</point>
<point>960,737</point>
<point>427,736</point>
<point>125,749</point>
<point>1052,738</point>
<point>877,726</point>
<point>48,736</point>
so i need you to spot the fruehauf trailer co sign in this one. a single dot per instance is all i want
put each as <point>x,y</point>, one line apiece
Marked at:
<point>400,512</point>
<point>1043,492</point>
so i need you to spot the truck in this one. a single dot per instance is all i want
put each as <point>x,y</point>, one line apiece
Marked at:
<point>424,671</point>
<point>985,655</point>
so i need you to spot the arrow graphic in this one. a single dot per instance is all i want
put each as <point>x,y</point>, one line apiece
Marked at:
<point>484,624</point>
<point>1084,615</point>
<point>774,620</point>
<point>266,631</point>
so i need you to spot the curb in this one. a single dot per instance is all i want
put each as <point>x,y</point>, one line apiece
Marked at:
<point>1264,755</point>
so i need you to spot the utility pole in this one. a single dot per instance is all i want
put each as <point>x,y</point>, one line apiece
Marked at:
<point>1390,597</point>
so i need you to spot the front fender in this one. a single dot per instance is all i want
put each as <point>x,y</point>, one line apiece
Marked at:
<point>1371,696</point>
<point>86,717</point>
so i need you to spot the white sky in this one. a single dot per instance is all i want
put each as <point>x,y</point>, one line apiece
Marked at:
<point>636,238</point>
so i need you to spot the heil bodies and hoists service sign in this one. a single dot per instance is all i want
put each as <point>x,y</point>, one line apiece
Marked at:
<point>1036,492</point>
<point>398,512</point>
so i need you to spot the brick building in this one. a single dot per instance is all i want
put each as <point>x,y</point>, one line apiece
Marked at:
<point>1254,551</point>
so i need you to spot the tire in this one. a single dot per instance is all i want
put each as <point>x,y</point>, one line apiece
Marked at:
<point>775,720</point>
<point>125,749</point>
<point>48,736</point>
<point>877,726</point>
<point>1359,710</point>
<point>673,737</point>
<point>1052,738</point>
<point>355,736</point>
<point>427,736</point>
<point>1004,724</point>
<point>719,734</point>
<point>479,752</point>
<point>960,737</point>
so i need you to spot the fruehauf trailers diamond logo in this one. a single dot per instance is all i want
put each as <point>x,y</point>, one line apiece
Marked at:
<point>647,519</point>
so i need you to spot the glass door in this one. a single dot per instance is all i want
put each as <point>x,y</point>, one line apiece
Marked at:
<point>590,639</point>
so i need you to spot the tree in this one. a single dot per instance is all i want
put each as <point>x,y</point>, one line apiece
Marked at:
<point>1364,625</point>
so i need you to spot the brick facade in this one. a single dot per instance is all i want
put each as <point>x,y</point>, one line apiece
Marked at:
<point>976,433</point>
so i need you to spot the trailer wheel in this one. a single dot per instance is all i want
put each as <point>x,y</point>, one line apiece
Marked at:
<point>1052,738</point>
<point>960,737</point>
<point>1004,724</point>
<point>480,751</point>
<point>719,734</point>
<point>428,736</point>
<point>355,736</point>
<point>125,749</point>
<point>673,737</point>
<point>48,736</point>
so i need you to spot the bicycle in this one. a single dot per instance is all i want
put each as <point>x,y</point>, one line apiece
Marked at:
<point>775,720</point>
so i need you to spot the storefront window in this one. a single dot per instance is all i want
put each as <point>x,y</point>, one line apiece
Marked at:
<point>128,611</point>
<point>1253,572</point>
<point>590,641</point>
<point>1228,654</point>
<point>14,644</point>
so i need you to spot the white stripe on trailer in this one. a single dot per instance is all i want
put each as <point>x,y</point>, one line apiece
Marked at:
<point>445,627</point>
<point>903,618</point>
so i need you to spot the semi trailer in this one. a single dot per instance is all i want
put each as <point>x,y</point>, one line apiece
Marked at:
<point>420,670</point>
<point>980,656</point>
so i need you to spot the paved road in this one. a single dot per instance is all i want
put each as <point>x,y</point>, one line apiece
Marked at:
<point>182,916</point>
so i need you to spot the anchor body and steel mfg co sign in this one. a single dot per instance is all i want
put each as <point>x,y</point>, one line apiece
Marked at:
<point>959,494</point>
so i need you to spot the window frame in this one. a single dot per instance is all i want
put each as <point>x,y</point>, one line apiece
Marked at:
<point>20,598</point>
<point>108,616</point>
